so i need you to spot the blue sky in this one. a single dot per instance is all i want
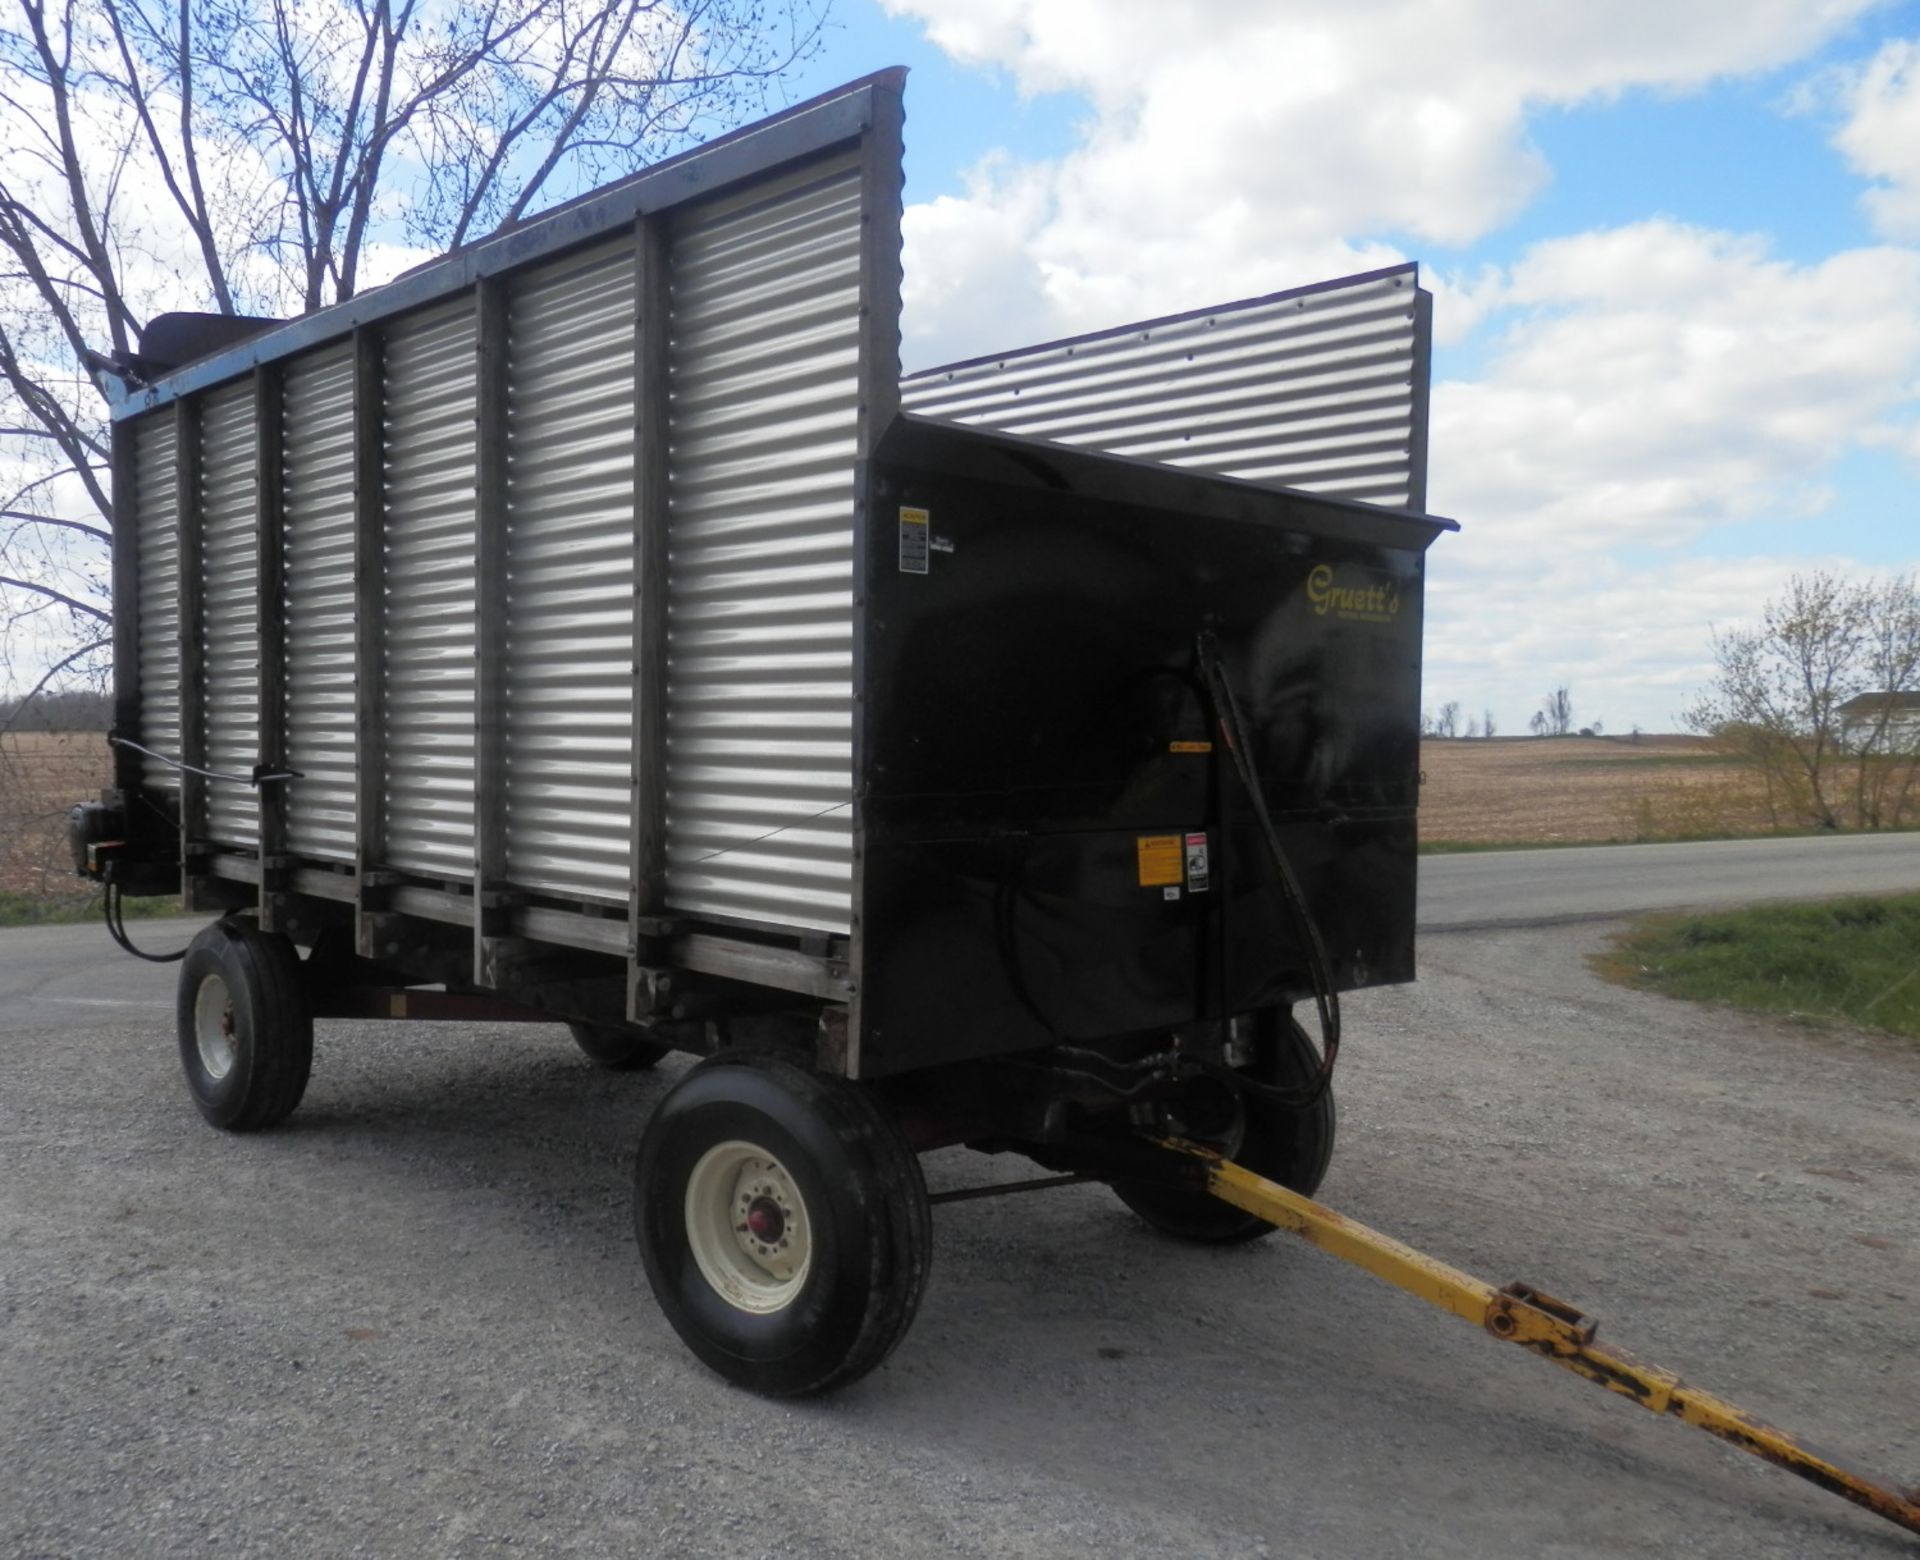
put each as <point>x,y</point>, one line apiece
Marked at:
<point>1675,252</point>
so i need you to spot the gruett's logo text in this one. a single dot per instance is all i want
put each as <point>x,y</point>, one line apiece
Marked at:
<point>1374,602</point>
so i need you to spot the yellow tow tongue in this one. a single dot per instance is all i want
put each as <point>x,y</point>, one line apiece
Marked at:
<point>1550,1328</point>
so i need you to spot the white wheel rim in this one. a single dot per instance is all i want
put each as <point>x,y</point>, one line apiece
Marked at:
<point>747,1227</point>
<point>213,1027</point>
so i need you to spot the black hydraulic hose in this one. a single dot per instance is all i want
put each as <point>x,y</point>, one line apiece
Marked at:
<point>1326,1000</point>
<point>115,914</point>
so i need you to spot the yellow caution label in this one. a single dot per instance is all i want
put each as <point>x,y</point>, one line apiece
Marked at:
<point>1162,862</point>
<point>1189,747</point>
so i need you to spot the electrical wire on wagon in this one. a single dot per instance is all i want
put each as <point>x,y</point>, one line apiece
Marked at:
<point>262,775</point>
<point>761,839</point>
<point>1326,1000</point>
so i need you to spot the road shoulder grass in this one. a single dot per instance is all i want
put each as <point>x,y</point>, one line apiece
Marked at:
<point>66,909</point>
<point>1852,961</point>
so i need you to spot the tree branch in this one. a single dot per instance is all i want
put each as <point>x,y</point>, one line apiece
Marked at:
<point>98,259</point>
<point>193,200</point>
<point>59,598</point>
<point>28,517</point>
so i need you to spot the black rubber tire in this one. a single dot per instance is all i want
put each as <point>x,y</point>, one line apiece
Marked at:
<point>1283,1144</point>
<point>271,1018</point>
<point>866,1205</point>
<point>617,1049</point>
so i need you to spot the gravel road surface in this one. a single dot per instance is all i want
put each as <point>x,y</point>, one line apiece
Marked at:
<point>413,1323</point>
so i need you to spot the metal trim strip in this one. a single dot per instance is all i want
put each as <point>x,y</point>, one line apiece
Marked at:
<point>652,421</point>
<point>186,477</point>
<point>490,610</point>
<point>369,622</point>
<point>269,625</point>
<point>124,463</point>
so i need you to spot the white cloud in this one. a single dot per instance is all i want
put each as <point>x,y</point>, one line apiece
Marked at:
<point>1655,380</point>
<point>1632,640</point>
<point>1236,147</point>
<point>1881,134</point>
<point>1649,385</point>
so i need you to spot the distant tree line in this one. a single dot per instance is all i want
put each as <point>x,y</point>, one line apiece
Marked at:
<point>1554,718</point>
<point>83,709</point>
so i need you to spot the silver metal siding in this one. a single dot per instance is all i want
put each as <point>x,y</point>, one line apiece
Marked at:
<point>428,661</point>
<point>570,574</point>
<point>230,592</point>
<point>1311,390</point>
<point>317,560</point>
<point>155,520</point>
<point>765,406</point>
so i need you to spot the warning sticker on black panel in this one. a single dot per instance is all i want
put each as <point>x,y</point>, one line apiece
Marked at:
<point>1159,860</point>
<point>914,524</point>
<point>1196,863</point>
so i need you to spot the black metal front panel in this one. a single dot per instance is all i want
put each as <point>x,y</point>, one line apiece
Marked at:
<point>1056,847</point>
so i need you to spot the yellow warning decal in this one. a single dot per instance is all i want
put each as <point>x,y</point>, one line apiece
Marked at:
<point>1189,747</point>
<point>1161,860</point>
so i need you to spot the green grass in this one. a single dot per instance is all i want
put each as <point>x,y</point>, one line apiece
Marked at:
<point>65,909</point>
<point>1854,961</point>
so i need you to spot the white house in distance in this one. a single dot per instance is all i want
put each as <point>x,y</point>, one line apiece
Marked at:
<point>1886,722</point>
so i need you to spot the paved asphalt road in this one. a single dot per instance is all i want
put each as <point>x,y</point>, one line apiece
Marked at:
<point>1536,887</point>
<point>412,1322</point>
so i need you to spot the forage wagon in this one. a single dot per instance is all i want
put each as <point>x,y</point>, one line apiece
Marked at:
<point>591,626</point>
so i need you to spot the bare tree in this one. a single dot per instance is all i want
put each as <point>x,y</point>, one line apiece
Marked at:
<point>1448,724</point>
<point>1556,713</point>
<point>1487,728</point>
<point>273,156</point>
<point>1812,697</point>
<point>1537,723</point>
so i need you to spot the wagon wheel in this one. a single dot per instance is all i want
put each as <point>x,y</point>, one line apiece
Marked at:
<point>1282,1143</point>
<point>783,1223</point>
<point>245,1024</point>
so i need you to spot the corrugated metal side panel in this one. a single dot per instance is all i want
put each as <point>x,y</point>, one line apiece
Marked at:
<point>156,521</point>
<point>317,558</point>
<point>1309,390</point>
<point>230,595</point>
<point>428,666</point>
<point>570,574</point>
<point>764,389</point>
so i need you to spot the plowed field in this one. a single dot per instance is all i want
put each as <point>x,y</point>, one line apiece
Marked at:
<point>42,774</point>
<point>1547,790</point>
